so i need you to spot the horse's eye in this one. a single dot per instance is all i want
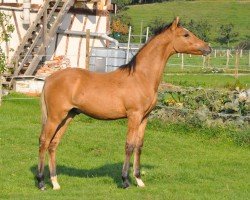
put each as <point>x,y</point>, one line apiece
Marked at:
<point>186,35</point>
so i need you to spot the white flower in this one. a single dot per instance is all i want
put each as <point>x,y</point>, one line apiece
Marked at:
<point>243,96</point>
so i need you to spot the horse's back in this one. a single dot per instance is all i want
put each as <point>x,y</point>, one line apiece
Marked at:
<point>95,94</point>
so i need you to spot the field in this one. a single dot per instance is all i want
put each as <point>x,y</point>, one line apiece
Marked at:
<point>208,80</point>
<point>215,12</point>
<point>178,161</point>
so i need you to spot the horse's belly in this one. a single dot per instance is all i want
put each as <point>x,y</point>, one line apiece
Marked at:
<point>102,109</point>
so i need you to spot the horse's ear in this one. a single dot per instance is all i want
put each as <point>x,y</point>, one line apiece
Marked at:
<point>175,23</point>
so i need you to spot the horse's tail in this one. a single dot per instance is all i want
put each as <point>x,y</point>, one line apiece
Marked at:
<point>43,107</point>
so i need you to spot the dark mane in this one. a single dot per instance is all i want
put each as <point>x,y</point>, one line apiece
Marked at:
<point>132,63</point>
<point>161,29</point>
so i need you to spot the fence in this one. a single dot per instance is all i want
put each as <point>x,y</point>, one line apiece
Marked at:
<point>221,59</point>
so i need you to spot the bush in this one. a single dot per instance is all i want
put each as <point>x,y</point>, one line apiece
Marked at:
<point>201,107</point>
<point>5,34</point>
<point>120,26</point>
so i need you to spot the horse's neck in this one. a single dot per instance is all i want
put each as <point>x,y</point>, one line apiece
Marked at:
<point>150,62</point>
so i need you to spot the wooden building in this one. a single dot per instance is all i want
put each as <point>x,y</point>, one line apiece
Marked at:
<point>45,29</point>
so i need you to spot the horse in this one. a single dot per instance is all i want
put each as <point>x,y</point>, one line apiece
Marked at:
<point>128,92</point>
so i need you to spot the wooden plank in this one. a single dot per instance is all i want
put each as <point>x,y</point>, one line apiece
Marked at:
<point>45,29</point>
<point>33,65</point>
<point>87,49</point>
<point>80,43</point>
<point>28,53</point>
<point>35,41</point>
<point>29,32</point>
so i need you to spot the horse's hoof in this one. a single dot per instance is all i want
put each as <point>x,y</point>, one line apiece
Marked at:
<point>41,186</point>
<point>126,185</point>
<point>139,182</point>
<point>56,187</point>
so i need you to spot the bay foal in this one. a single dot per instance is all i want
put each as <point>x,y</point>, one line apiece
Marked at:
<point>129,92</point>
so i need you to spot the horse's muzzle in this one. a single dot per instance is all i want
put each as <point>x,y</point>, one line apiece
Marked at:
<point>205,51</point>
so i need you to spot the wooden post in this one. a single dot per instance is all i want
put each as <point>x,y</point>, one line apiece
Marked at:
<point>45,31</point>
<point>215,53</point>
<point>241,53</point>
<point>141,32</point>
<point>228,54</point>
<point>147,34</point>
<point>236,63</point>
<point>204,61</point>
<point>1,88</point>
<point>128,46</point>
<point>87,49</point>
<point>208,60</point>
<point>249,58</point>
<point>182,61</point>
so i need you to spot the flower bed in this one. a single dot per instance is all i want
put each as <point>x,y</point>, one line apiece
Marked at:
<point>200,106</point>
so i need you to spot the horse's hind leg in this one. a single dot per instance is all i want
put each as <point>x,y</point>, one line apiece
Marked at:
<point>48,131</point>
<point>52,149</point>
<point>137,152</point>
<point>134,121</point>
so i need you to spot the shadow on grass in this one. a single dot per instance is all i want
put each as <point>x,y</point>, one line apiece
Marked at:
<point>108,170</point>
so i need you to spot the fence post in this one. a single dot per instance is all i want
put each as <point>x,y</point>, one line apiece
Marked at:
<point>182,61</point>
<point>204,61</point>
<point>1,92</point>
<point>236,63</point>
<point>147,34</point>
<point>215,53</point>
<point>87,49</point>
<point>129,36</point>
<point>241,53</point>
<point>249,58</point>
<point>141,32</point>
<point>228,54</point>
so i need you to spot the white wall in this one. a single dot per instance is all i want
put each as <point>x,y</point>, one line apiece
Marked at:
<point>75,45</point>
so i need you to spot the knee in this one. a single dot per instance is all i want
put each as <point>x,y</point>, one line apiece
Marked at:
<point>138,147</point>
<point>129,147</point>
<point>52,147</point>
<point>41,140</point>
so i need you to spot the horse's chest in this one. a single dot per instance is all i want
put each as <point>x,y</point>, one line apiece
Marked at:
<point>150,104</point>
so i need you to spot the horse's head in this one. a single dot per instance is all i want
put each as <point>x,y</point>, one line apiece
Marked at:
<point>184,41</point>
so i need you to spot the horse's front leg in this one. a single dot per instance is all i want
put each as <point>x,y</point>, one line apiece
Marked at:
<point>134,121</point>
<point>137,152</point>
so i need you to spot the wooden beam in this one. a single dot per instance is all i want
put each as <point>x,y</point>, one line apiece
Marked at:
<point>87,49</point>
<point>45,29</point>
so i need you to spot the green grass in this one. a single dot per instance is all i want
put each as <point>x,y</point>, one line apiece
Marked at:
<point>208,80</point>
<point>215,12</point>
<point>178,162</point>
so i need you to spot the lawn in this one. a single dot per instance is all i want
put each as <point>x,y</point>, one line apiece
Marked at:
<point>178,161</point>
<point>208,80</point>
<point>215,12</point>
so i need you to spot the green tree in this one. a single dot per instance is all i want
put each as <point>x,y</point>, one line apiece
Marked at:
<point>227,34</point>
<point>121,4</point>
<point>120,26</point>
<point>6,28</point>
<point>156,24</point>
<point>201,29</point>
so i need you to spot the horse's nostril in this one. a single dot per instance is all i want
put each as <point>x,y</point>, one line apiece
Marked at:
<point>210,49</point>
<point>206,50</point>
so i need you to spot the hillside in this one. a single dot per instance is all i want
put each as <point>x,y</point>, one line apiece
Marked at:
<point>215,12</point>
